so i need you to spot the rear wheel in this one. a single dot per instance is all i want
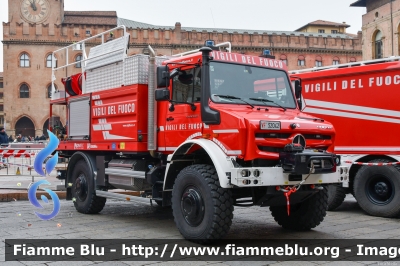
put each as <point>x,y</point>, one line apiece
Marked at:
<point>83,190</point>
<point>202,210</point>
<point>305,215</point>
<point>336,196</point>
<point>377,189</point>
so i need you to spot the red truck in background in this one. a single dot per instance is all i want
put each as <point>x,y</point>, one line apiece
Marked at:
<point>200,131</point>
<point>361,100</point>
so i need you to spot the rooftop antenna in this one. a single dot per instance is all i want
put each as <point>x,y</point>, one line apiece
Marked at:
<point>212,16</point>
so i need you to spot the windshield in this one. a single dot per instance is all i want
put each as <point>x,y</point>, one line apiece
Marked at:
<point>255,85</point>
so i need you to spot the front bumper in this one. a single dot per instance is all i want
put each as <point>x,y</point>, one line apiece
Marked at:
<point>275,176</point>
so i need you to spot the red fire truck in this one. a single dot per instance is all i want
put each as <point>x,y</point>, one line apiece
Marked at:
<point>360,99</point>
<point>200,131</point>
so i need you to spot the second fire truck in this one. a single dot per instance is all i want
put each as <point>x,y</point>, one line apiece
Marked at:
<point>361,101</point>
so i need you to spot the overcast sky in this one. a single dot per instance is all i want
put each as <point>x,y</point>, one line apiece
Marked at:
<point>282,15</point>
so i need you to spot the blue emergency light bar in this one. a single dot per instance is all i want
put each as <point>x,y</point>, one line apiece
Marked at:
<point>266,52</point>
<point>209,43</point>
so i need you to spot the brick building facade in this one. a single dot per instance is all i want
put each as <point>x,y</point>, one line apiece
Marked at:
<point>33,32</point>
<point>1,99</point>
<point>380,28</point>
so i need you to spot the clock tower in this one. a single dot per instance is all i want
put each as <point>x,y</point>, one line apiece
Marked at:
<point>35,29</point>
<point>36,11</point>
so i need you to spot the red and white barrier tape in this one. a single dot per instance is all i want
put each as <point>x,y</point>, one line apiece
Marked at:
<point>16,153</point>
<point>373,164</point>
<point>16,164</point>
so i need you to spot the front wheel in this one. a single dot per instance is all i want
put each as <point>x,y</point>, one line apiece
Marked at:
<point>83,190</point>
<point>304,215</point>
<point>202,210</point>
<point>377,189</point>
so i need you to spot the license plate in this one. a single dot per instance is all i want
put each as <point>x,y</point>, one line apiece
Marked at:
<point>270,125</point>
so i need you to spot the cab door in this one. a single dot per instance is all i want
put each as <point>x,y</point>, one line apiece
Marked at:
<point>183,117</point>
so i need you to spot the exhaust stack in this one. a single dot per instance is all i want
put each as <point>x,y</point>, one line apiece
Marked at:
<point>151,122</point>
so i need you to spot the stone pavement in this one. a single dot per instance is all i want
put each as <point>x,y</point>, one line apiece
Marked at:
<point>130,220</point>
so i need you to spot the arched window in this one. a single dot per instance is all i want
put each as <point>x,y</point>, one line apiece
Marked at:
<point>24,60</point>
<point>284,59</point>
<point>24,91</point>
<point>301,61</point>
<point>318,61</point>
<point>378,45</point>
<point>49,61</point>
<point>78,59</point>
<point>48,94</point>
<point>335,61</point>
<point>25,127</point>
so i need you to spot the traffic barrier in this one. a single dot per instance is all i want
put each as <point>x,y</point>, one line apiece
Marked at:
<point>16,164</point>
<point>373,164</point>
<point>19,158</point>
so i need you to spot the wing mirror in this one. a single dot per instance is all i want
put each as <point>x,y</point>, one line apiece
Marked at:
<point>162,76</point>
<point>162,94</point>
<point>297,92</point>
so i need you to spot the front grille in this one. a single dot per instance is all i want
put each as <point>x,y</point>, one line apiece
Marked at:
<point>316,136</point>
<point>273,135</point>
<point>322,164</point>
<point>270,149</point>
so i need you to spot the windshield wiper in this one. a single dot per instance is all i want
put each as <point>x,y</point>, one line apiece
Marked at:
<point>267,101</point>
<point>234,98</point>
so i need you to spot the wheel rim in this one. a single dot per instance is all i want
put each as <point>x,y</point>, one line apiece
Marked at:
<point>192,206</point>
<point>380,190</point>
<point>81,188</point>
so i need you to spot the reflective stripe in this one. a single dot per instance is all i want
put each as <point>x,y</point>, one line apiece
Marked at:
<point>365,148</point>
<point>353,108</point>
<point>226,131</point>
<point>351,115</point>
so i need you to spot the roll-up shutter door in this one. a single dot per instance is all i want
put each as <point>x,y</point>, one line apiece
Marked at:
<point>79,118</point>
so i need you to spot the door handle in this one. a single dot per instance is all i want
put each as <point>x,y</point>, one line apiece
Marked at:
<point>170,118</point>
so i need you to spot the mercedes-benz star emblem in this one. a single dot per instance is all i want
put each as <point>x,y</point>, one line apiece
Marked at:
<point>299,139</point>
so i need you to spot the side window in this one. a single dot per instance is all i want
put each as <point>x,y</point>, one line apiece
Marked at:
<point>187,86</point>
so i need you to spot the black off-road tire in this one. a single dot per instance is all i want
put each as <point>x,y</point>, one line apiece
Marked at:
<point>83,190</point>
<point>305,215</point>
<point>377,189</point>
<point>336,196</point>
<point>202,210</point>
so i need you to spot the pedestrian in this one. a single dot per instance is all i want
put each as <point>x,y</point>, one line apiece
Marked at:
<point>11,139</point>
<point>19,138</point>
<point>23,139</point>
<point>37,138</point>
<point>3,141</point>
<point>43,137</point>
<point>3,137</point>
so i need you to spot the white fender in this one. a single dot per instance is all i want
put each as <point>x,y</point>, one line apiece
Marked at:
<point>221,161</point>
